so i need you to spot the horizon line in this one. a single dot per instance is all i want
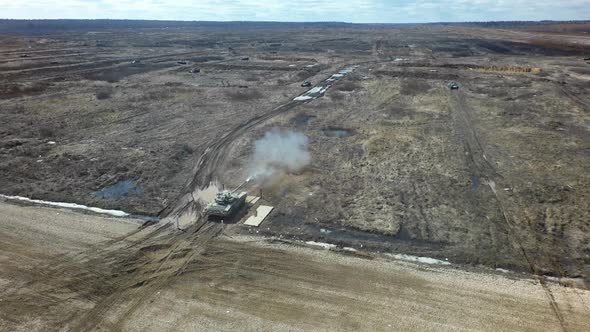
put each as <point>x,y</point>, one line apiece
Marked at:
<point>289,22</point>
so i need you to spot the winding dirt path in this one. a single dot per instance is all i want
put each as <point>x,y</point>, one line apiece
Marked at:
<point>481,167</point>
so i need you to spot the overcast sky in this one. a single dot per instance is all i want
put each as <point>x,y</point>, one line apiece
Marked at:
<point>358,11</point>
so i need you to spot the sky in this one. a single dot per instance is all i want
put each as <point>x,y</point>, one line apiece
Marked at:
<point>355,11</point>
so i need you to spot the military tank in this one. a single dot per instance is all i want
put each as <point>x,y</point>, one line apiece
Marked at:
<point>306,84</point>
<point>225,204</point>
<point>453,86</point>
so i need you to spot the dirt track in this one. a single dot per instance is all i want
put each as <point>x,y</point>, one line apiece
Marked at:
<point>209,165</point>
<point>210,162</point>
<point>205,283</point>
<point>247,284</point>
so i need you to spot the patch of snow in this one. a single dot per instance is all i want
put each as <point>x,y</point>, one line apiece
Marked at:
<point>338,75</point>
<point>302,98</point>
<point>321,244</point>
<point>292,65</point>
<point>315,90</point>
<point>349,249</point>
<point>51,142</point>
<point>492,185</point>
<point>502,270</point>
<point>115,213</point>
<point>425,260</point>
<point>311,66</point>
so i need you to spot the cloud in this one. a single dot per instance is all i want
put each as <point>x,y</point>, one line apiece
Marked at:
<point>360,11</point>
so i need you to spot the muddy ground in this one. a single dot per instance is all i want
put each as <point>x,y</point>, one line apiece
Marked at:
<point>68,271</point>
<point>495,173</point>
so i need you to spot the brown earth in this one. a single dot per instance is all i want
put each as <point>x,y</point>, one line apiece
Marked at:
<point>68,271</point>
<point>494,174</point>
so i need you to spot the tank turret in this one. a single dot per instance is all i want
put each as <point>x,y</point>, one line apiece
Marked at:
<point>225,204</point>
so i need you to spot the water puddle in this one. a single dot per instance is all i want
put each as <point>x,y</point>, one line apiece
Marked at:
<point>118,190</point>
<point>475,182</point>
<point>302,119</point>
<point>337,132</point>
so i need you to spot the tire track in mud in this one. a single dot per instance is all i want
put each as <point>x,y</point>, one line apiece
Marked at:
<point>88,275</point>
<point>576,99</point>
<point>47,57</point>
<point>512,227</point>
<point>189,248</point>
<point>103,273</point>
<point>155,263</point>
<point>85,261</point>
<point>86,67</point>
<point>480,166</point>
<point>478,162</point>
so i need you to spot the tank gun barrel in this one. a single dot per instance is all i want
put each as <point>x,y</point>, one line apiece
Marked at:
<point>241,185</point>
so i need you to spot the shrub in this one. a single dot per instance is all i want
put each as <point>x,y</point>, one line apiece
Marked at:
<point>104,93</point>
<point>46,132</point>
<point>182,152</point>
<point>347,86</point>
<point>243,94</point>
<point>336,95</point>
<point>303,75</point>
<point>414,87</point>
<point>251,78</point>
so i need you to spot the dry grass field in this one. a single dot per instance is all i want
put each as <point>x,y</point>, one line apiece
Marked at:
<point>493,175</point>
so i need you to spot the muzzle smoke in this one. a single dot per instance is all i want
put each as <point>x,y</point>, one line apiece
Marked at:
<point>278,152</point>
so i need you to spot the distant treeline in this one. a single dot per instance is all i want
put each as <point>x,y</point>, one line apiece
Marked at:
<point>41,26</point>
<point>501,24</point>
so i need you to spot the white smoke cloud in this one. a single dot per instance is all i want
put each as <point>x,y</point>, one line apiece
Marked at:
<point>278,152</point>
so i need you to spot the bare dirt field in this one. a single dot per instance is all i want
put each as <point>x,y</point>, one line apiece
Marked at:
<point>494,175</point>
<point>64,270</point>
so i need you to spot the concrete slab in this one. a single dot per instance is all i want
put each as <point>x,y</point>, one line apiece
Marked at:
<point>261,212</point>
<point>252,199</point>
